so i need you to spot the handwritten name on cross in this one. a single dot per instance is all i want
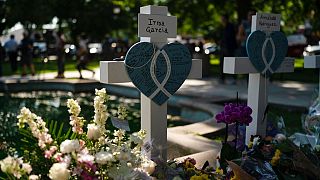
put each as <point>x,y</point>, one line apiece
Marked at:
<point>313,62</point>
<point>153,26</point>
<point>258,84</point>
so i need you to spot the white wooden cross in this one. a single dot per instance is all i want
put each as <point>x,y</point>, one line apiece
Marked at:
<point>258,84</point>
<point>313,62</point>
<point>153,116</point>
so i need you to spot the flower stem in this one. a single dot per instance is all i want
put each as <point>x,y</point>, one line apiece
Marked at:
<point>226,135</point>
<point>237,98</point>
<point>237,124</point>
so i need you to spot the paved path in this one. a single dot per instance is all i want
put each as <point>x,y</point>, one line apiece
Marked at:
<point>284,93</point>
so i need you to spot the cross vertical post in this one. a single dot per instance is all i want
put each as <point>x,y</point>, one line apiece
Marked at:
<point>257,98</point>
<point>313,62</point>
<point>154,116</point>
<point>258,84</point>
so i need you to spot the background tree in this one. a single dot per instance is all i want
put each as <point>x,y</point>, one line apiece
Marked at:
<point>28,13</point>
<point>118,18</point>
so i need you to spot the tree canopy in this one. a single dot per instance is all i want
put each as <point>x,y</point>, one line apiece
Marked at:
<point>118,18</point>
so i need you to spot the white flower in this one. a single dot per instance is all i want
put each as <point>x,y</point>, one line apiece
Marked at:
<point>148,167</point>
<point>66,159</point>
<point>93,132</point>
<point>15,166</point>
<point>102,93</point>
<point>100,110</point>
<point>122,112</point>
<point>69,146</point>
<point>138,137</point>
<point>280,137</point>
<point>34,177</point>
<point>8,164</point>
<point>36,125</point>
<point>119,134</point>
<point>26,168</point>
<point>124,156</point>
<point>255,141</point>
<point>103,157</point>
<point>59,171</point>
<point>74,107</point>
<point>85,158</point>
<point>75,121</point>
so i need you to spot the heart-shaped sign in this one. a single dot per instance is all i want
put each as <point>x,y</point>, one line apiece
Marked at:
<point>158,73</point>
<point>267,51</point>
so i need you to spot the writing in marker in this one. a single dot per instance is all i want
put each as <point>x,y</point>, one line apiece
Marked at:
<point>156,26</point>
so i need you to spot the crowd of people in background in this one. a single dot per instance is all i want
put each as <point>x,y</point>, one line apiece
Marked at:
<point>11,49</point>
<point>82,55</point>
<point>22,54</point>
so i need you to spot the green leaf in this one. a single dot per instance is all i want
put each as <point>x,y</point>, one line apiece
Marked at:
<point>60,130</point>
<point>50,126</point>
<point>228,153</point>
<point>67,134</point>
<point>55,128</point>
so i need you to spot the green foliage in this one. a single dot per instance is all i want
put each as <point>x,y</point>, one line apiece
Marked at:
<point>228,153</point>
<point>118,18</point>
<point>28,148</point>
<point>59,131</point>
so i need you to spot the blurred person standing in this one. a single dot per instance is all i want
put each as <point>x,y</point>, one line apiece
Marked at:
<point>107,53</point>
<point>228,44</point>
<point>11,47</point>
<point>82,56</point>
<point>60,42</point>
<point>26,48</point>
<point>244,31</point>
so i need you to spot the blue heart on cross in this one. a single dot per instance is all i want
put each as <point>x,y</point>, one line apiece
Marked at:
<point>267,51</point>
<point>158,73</point>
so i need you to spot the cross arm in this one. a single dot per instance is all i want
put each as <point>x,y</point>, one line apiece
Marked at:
<point>242,65</point>
<point>312,62</point>
<point>115,71</point>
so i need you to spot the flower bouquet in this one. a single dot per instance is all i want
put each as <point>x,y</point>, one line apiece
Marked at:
<point>175,170</point>
<point>236,116</point>
<point>272,157</point>
<point>89,152</point>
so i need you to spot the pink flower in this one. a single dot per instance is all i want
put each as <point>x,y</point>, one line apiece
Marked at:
<point>58,157</point>
<point>82,144</point>
<point>235,113</point>
<point>47,154</point>
<point>53,149</point>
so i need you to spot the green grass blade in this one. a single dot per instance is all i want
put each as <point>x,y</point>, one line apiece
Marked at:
<point>50,126</point>
<point>60,130</point>
<point>66,136</point>
<point>54,129</point>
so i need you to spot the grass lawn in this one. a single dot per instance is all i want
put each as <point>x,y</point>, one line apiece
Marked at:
<point>50,66</point>
<point>299,74</point>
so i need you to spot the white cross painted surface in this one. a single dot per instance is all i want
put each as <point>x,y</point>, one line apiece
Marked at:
<point>314,63</point>
<point>258,84</point>
<point>153,116</point>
